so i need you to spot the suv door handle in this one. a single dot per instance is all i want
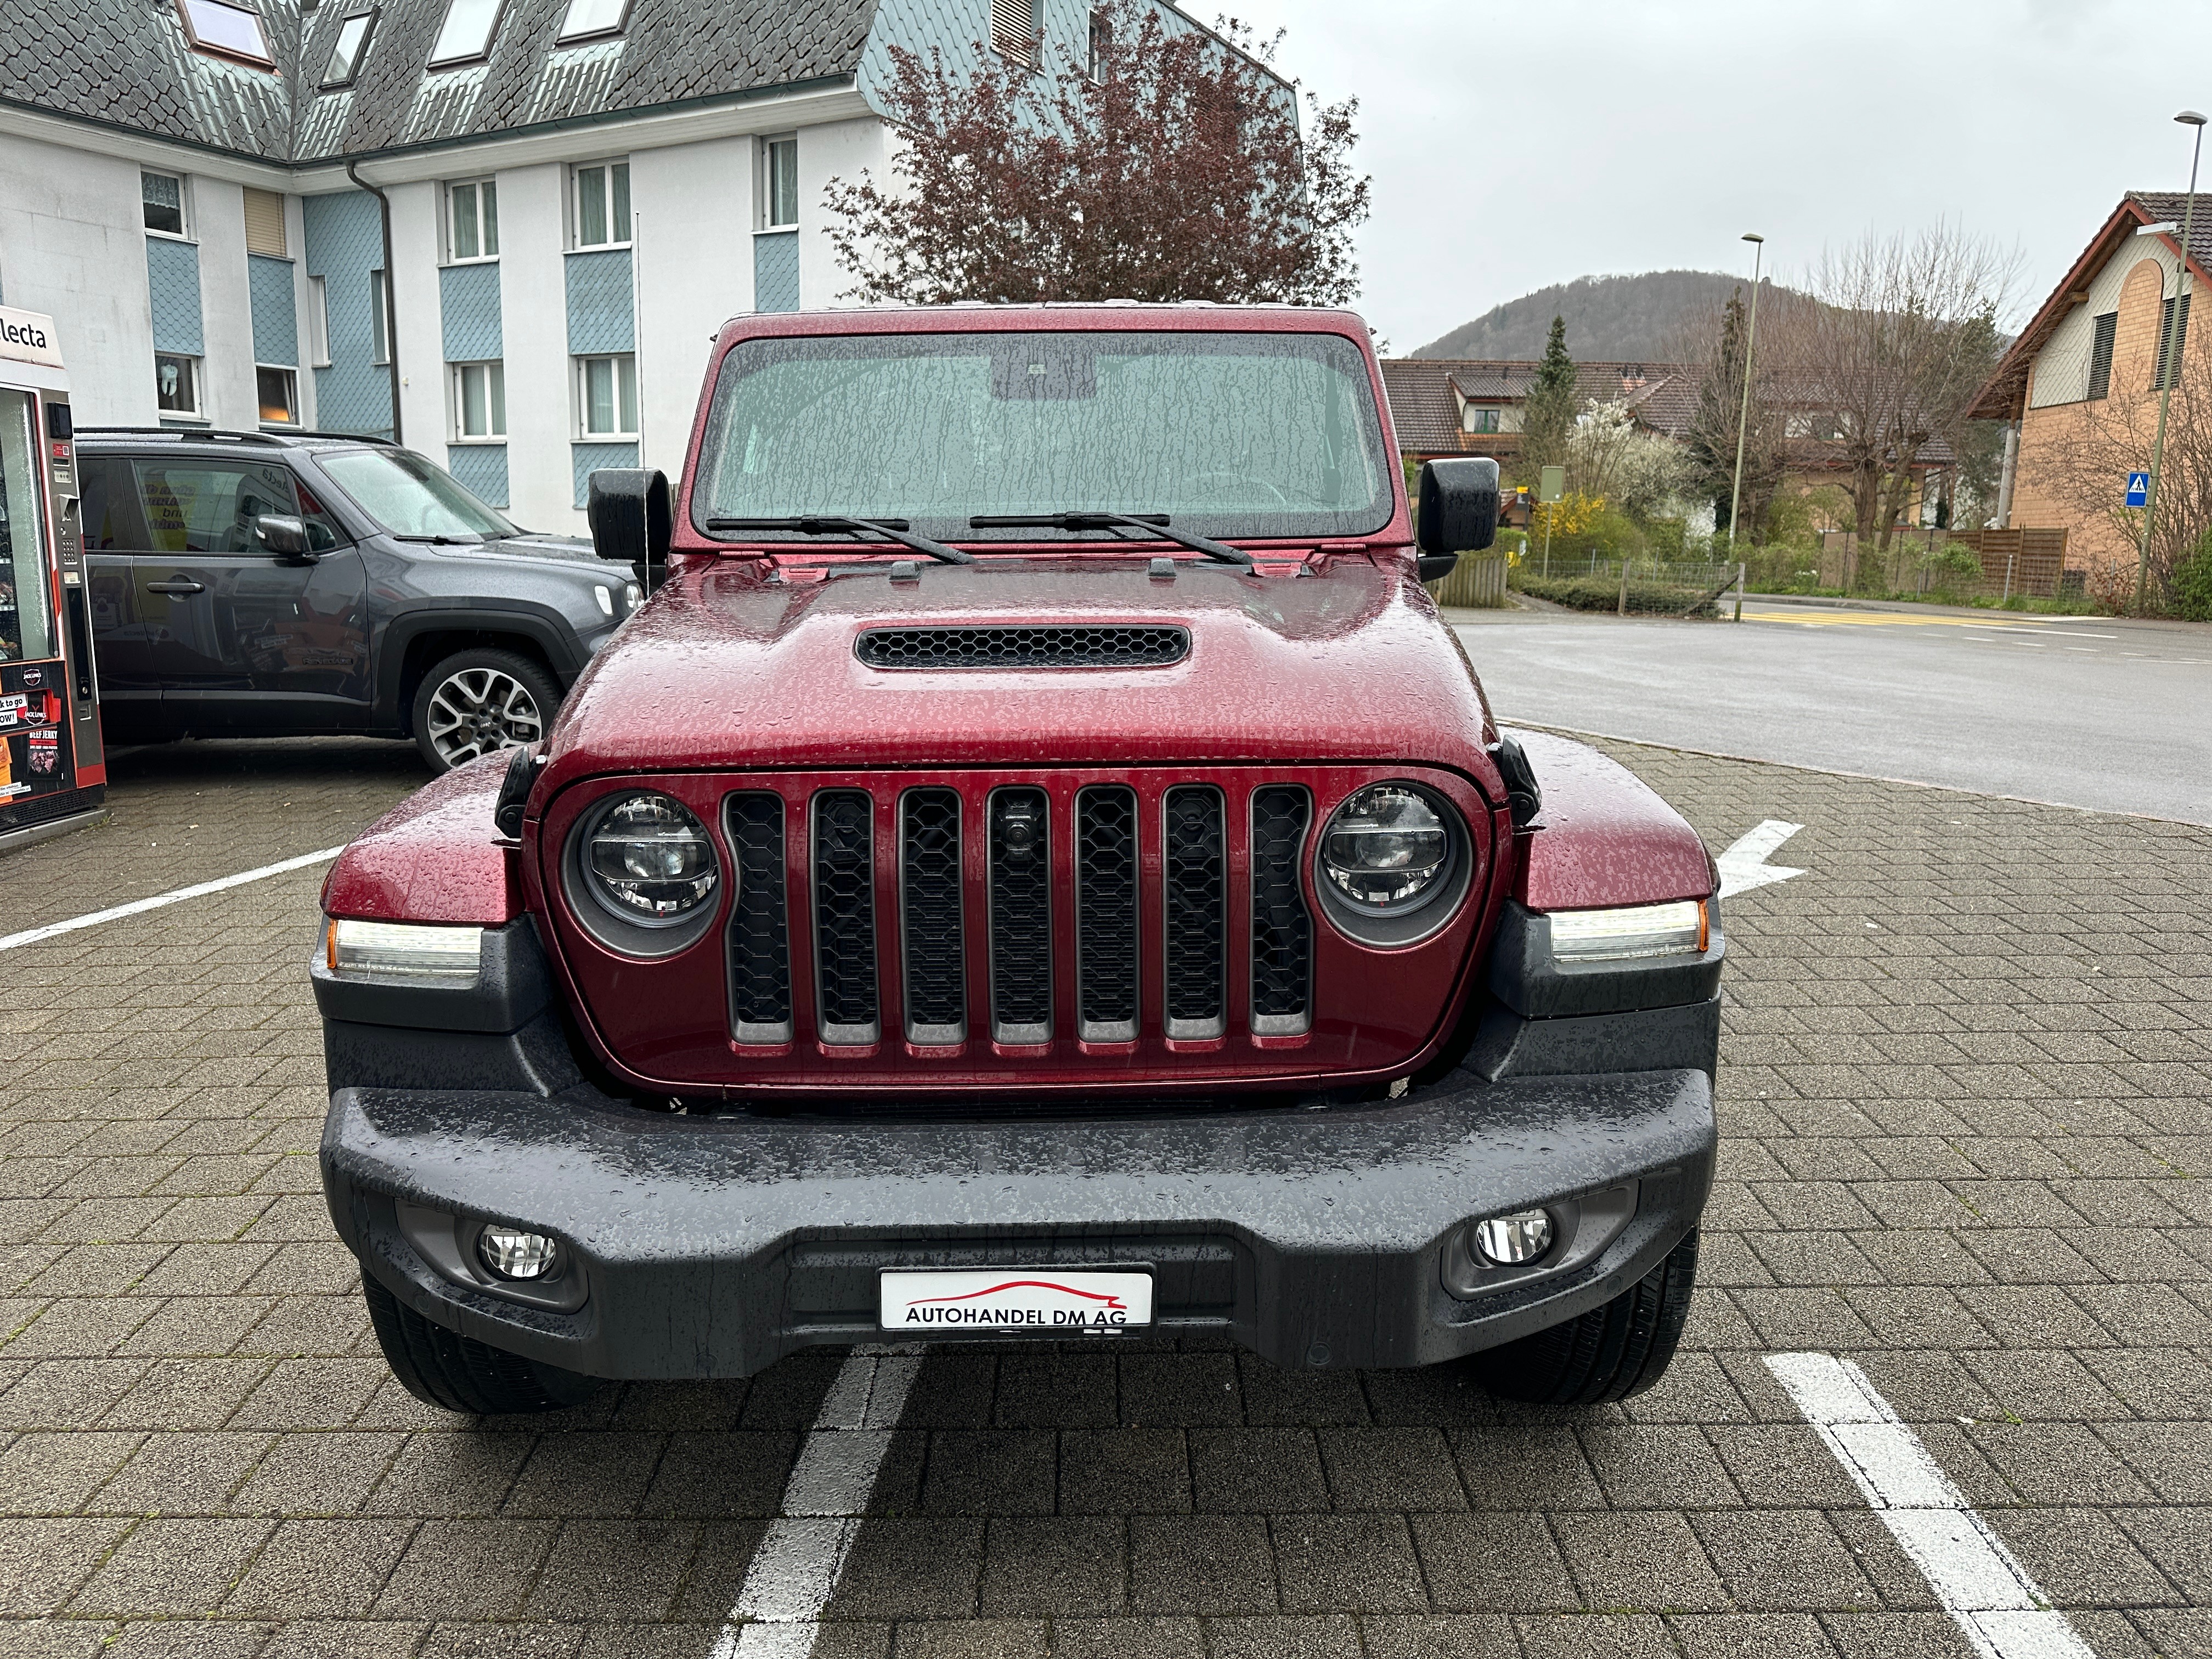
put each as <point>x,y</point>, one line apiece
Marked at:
<point>177,587</point>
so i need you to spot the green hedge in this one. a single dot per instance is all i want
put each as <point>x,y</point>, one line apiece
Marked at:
<point>1603,593</point>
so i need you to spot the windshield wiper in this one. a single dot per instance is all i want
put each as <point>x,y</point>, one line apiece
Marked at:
<point>1156,522</point>
<point>892,530</point>
<point>440,539</point>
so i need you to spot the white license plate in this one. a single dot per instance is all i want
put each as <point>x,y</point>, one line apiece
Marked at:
<point>1031,1301</point>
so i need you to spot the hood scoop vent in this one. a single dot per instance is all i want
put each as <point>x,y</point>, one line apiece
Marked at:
<point>1071,647</point>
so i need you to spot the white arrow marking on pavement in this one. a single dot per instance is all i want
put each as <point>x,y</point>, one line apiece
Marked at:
<point>1744,866</point>
<point>2001,1611</point>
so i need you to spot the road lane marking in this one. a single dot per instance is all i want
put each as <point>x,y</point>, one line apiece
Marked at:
<point>138,907</point>
<point>1744,866</point>
<point>1999,1608</point>
<point>1810,618</point>
<point>794,1571</point>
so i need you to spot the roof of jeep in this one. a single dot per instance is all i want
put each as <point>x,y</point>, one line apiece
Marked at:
<point>137,437</point>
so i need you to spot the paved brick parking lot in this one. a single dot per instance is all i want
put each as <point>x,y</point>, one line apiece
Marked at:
<point>1964,1096</point>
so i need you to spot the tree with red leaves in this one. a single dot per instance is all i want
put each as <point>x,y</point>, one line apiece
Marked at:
<point>1178,172</point>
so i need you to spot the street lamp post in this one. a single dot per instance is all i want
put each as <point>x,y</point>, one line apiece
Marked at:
<point>1750,345</point>
<point>2169,356</point>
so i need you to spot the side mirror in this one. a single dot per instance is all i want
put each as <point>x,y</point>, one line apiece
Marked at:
<point>282,535</point>
<point>630,515</point>
<point>1458,510</point>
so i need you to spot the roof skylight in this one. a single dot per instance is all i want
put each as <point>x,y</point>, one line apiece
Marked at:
<point>227,31</point>
<point>347,51</point>
<point>587,18</point>
<point>467,33</point>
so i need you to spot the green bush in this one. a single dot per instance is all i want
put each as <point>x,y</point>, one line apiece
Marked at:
<point>1602,593</point>
<point>2192,581</point>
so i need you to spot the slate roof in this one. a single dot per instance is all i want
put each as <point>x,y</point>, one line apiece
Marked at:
<point>2007,390</point>
<point>125,63</point>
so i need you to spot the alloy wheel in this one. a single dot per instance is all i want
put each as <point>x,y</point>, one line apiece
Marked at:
<point>479,711</point>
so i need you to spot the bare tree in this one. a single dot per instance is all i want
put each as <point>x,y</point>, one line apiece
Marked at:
<point>1178,172</point>
<point>1718,344</point>
<point>1903,339</point>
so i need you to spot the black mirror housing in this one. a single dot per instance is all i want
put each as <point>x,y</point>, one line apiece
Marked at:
<point>282,535</point>
<point>629,512</point>
<point>1458,505</point>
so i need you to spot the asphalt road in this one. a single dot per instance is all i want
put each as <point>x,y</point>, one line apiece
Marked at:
<point>2113,716</point>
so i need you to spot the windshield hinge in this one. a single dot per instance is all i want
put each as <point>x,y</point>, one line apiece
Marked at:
<point>1278,567</point>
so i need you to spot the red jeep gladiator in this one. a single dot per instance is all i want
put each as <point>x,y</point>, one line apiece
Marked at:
<point>1037,867</point>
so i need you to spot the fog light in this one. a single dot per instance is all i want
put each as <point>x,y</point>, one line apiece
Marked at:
<point>511,1253</point>
<point>1507,1241</point>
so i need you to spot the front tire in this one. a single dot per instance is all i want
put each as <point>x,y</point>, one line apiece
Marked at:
<point>476,703</point>
<point>1608,1353</point>
<point>458,1373</point>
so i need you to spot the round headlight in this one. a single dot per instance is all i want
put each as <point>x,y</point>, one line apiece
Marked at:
<point>649,860</point>
<point>1387,850</point>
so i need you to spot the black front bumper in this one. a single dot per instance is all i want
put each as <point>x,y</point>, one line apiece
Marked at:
<point>711,1246</point>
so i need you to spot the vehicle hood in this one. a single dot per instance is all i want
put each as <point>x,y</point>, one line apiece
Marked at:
<point>566,550</point>
<point>726,669</point>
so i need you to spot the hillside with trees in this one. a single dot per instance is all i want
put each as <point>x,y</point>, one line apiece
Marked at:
<point>1609,319</point>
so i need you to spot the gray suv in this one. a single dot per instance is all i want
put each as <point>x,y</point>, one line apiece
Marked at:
<point>249,583</point>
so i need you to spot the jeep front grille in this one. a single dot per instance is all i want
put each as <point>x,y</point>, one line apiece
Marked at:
<point>1130,901</point>
<point>929,911</point>
<point>845,915</point>
<point>1134,645</point>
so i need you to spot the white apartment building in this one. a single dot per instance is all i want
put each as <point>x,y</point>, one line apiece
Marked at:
<point>567,198</point>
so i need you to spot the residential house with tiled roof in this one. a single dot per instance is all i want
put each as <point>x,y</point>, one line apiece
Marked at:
<point>2079,387</point>
<point>504,229</point>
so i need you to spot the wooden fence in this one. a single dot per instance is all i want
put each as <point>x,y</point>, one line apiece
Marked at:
<point>1478,583</point>
<point>2025,563</point>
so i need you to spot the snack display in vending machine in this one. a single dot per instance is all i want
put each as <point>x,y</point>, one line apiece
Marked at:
<point>53,771</point>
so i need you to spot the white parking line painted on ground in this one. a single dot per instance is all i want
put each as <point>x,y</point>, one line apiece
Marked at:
<point>1996,1604</point>
<point>137,906</point>
<point>794,1571</point>
<point>1744,866</point>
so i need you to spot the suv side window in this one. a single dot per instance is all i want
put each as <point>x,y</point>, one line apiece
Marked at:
<point>209,507</point>
<point>110,505</point>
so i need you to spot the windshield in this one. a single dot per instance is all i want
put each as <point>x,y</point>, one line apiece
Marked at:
<point>1229,433</point>
<point>410,497</point>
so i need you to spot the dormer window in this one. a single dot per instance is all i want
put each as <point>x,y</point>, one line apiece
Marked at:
<point>223,30</point>
<point>467,35</point>
<point>349,48</point>
<point>589,19</point>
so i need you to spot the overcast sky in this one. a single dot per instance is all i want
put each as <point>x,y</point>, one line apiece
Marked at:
<point>1517,145</point>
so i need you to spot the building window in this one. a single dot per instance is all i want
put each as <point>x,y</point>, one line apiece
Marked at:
<point>319,324</point>
<point>349,49</point>
<point>467,35</point>
<point>1014,29</point>
<point>2100,357</point>
<point>1102,46</point>
<point>603,205</point>
<point>587,18</point>
<point>379,319</point>
<point>278,390</point>
<point>163,194</point>
<point>226,31</point>
<point>265,222</point>
<point>479,400</point>
<point>606,396</point>
<point>472,223</point>
<point>780,183</point>
<point>2174,334</point>
<point>177,385</point>
<point>1476,419</point>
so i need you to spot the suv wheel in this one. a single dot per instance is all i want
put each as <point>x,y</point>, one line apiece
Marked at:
<point>476,703</point>
<point>458,1373</point>
<point>1607,1353</point>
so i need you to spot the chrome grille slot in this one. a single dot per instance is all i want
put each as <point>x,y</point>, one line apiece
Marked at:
<point>759,938</point>
<point>1021,916</point>
<point>1282,927</point>
<point>1106,948</point>
<point>1196,894</point>
<point>844,880</point>
<point>929,914</point>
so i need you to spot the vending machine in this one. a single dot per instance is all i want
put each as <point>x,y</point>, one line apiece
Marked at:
<point>53,773</point>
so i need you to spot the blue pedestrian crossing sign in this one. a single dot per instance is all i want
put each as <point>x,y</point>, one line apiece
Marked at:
<point>2138,489</point>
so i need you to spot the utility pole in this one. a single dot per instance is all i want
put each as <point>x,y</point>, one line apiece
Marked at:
<point>2170,340</point>
<point>1750,345</point>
